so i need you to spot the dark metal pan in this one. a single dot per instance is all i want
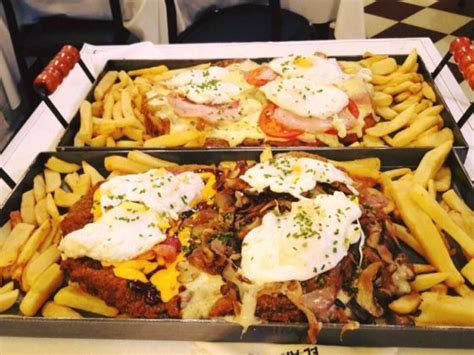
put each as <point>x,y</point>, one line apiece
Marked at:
<point>67,140</point>
<point>218,330</point>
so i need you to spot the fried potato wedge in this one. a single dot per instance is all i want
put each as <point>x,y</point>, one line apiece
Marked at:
<point>54,310</point>
<point>8,299</point>
<point>61,166</point>
<point>27,207</point>
<point>426,281</point>
<point>406,304</point>
<point>124,165</point>
<point>74,297</point>
<point>437,309</point>
<point>41,290</point>
<point>52,180</point>
<point>15,240</point>
<point>149,160</point>
<point>431,163</point>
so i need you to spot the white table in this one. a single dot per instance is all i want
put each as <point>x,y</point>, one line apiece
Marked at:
<point>42,132</point>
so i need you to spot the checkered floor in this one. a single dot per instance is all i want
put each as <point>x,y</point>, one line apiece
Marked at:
<point>442,21</point>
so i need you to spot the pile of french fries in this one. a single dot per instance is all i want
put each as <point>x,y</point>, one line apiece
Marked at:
<point>405,103</point>
<point>434,214</point>
<point>422,198</point>
<point>115,118</point>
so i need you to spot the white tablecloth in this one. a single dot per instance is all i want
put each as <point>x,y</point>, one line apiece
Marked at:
<point>42,132</point>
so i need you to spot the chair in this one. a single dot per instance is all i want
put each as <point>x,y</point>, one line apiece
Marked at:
<point>242,23</point>
<point>43,39</point>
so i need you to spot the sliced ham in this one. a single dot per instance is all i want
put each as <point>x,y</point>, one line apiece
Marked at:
<point>209,113</point>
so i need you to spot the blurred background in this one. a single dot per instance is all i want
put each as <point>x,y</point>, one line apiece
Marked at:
<point>32,31</point>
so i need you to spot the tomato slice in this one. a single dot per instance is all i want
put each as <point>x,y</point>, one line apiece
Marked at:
<point>353,109</point>
<point>256,77</point>
<point>272,127</point>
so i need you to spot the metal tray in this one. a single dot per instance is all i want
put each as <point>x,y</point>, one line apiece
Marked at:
<point>67,140</point>
<point>219,330</point>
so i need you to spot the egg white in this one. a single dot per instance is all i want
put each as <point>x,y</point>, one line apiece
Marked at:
<point>309,240</point>
<point>294,175</point>
<point>321,70</point>
<point>122,233</point>
<point>165,193</point>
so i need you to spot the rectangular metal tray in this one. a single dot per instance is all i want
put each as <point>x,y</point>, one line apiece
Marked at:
<point>219,330</point>
<point>67,140</point>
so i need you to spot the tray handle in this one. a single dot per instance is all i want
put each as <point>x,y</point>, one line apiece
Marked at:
<point>57,69</point>
<point>462,50</point>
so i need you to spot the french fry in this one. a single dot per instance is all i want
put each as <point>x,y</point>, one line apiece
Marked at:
<point>85,130</point>
<point>429,131</point>
<point>39,187</point>
<point>172,139</point>
<point>7,287</point>
<point>461,220</point>
<point>424,230</point>
<point>409,134</point>
<point>370,141</point>
<point>146,159</point>
<point>402,96</point>
<point>33,243</point>
<point>65,199</point>
<point>8,299</point>
<point>41,289</point>
<point>41,212</point>
<point>128,144</point>
<point>54,310</point>
<point>126,105</point>
<point>371,163</point>
<point>359,170</point>
<point>432,111</point>
<point>464,291</point>
<point>124,78</point>
<point>384,66</point>
<point>133,133</point>
<point>74,297</point>
<point>97,108</point>
<point>103,127</point>
<point>117,111</point>
<point>98,141</point>
<point>441,289</point>
<point>4,232</point>
<point>96,177</point>
<point>27,207</point>
<point>423,105</point>
<point>431,189</point>
<point>72,180</point>
<point>395,173</point>
<point>435,139</point>
<point>124,165</point>
<point>468,271</point>
<point>442,179</point>
<point>48,241</point>
<point>110,142</point>
<point>396,89</point>
<point>78,142</point>
<point>380,79</point>
<point>415,88</point>
<point>431,207</point>
<point>116,135</point>
<point>159,69</point>
<point>404,235</point>
<point>423,268</point>
<point>41,263</point>
<point>61,166</point>
<point>83,185</point>
<point>428,92</point>
<point>108,106</point>
<point>409,63</point>
<point>385,128</point>
<point>381,99</point>
<point>456,203</point>
<point>398,78</point>
<point>105,84</point>
<point>426,281</point>
<point>412,100</point>
<point>445,310</point>
<point>406,304</point>
<point>52,180</point>
<point>12,245</point>
<point>431,163</point>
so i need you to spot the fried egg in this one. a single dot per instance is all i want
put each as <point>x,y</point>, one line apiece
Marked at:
<point>309,240</point>
<point>163,192</point>
<point>213,85</point>
<point>122,233</point>
<point>319,70</point>
<point>305,97</point>
<point>294,175</point>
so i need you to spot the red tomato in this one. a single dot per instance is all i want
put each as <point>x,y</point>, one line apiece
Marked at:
<point>353,109</point>
<point>470,80</point>
<point>469,71</point>
<point>461,52</point>
<point>459,43</point>
<point>272,127</point>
